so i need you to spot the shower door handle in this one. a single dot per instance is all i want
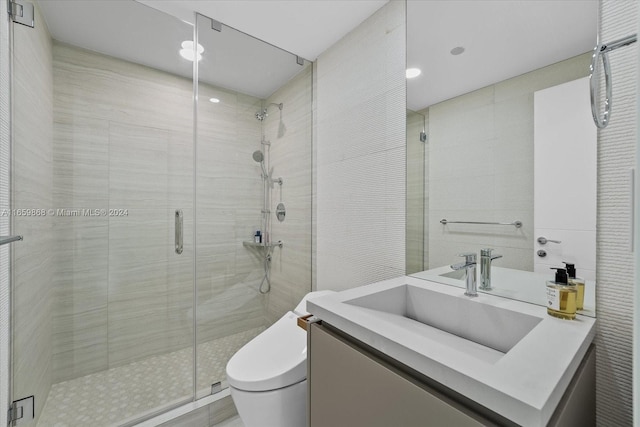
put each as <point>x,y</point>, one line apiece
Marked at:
<point>178,231</point>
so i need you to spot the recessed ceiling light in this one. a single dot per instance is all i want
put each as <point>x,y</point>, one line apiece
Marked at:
<point>413,72</point>
<point>187,50</point>
<point>457,50</point>
<point>214,100</point>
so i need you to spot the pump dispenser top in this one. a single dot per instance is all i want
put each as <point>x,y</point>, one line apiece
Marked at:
<point>561,275</point>
<point>571,269</point>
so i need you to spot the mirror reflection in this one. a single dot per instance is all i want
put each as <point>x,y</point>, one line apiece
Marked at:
<point>501,147</point>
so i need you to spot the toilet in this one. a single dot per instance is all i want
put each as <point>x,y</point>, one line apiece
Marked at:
<point>268,376</point>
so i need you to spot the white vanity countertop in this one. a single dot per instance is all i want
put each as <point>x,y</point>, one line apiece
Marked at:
<point>524,384</point>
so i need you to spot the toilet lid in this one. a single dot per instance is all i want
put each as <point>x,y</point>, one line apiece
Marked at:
<point>274,359</point>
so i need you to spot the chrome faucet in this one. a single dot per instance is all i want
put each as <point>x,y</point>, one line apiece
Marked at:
<point>469,265</point>
<point>485,268</point>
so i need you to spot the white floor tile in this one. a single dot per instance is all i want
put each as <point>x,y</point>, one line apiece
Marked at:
<point>110,397</point>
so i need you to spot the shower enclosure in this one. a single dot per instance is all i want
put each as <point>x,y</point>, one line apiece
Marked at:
<point>135,187</point>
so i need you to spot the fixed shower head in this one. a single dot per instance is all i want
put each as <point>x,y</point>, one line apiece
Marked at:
<point>258,156</point>
<point>261,115</point>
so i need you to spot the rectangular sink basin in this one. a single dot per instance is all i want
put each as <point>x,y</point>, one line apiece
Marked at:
<point>490,326</point>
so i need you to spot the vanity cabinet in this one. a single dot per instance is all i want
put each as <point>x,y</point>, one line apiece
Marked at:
<point>352,384</point>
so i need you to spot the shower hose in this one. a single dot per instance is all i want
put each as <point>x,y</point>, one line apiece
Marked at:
<point>267,272</point>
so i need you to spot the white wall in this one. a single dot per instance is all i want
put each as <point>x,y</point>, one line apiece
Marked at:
<point>615,275</point>
<point>361,154</point>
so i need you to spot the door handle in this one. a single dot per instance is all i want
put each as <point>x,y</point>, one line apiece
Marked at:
<point>544,240</point>
<point>178,221</point>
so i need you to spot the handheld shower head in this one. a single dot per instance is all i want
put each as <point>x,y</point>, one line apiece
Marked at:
<point>258,156</point>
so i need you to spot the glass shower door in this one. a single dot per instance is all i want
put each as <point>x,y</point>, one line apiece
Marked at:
<point>253,143</point>
<point>103,194</point>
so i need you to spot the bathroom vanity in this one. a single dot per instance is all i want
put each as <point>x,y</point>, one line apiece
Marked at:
<point>411,352</point>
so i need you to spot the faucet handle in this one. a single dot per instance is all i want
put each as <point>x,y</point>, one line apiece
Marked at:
<point>486,251</point>
<point>469,257</point>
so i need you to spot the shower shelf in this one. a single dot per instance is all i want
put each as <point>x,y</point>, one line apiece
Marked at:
<point>279,244</point>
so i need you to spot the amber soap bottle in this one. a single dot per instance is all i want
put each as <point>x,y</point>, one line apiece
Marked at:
<point>578,282</point>
<point>561,296</point>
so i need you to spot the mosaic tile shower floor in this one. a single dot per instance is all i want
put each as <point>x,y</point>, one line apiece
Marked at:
<point>111,397</point>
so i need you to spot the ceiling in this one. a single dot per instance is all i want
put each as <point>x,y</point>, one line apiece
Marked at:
<point>150,33</point>
<point>304,27</point>
<point>502,39</point>
<point>124,29</point>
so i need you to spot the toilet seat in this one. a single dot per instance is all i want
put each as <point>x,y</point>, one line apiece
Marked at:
<point>274,359</point>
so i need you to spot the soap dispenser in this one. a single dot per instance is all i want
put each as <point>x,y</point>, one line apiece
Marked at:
<point>561,296</point>
<point>578,282</point>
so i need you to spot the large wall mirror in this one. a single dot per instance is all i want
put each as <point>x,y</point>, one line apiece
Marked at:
<point>501,148</point>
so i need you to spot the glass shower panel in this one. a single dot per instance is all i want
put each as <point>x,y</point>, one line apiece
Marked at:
<point>253,152</point>
<point>103,154</point>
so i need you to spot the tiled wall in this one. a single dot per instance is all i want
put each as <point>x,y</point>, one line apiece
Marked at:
<point>32,168</point>
<point>120,128</point>
<point>361,153</point>
<point>481,166</point>
<point>229,200</point>
<point>615,273</point>
<point>289,132</point>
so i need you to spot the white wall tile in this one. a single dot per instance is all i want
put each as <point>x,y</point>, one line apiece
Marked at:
<point>616,154</point>
<point>361,154</point>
